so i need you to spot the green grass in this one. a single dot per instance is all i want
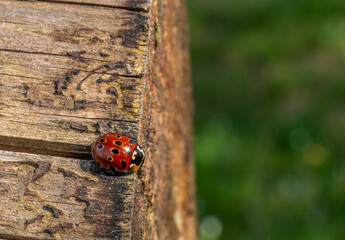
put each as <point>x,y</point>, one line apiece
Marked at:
<point>269,91</point>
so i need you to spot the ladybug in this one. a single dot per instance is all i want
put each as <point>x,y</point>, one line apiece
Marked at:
<point>118,151</point>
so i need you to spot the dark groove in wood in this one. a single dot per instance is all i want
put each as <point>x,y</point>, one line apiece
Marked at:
<point>49,54</point>
<point>84,70</point>
<point>130,76</point>
<point>45,148</point>
<point>77,117</point>
<point>32,52</point>
<point>131,9</point>
<point>16,237</point>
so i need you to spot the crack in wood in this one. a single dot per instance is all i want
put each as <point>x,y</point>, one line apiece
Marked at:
<point>108,67</point>
<point>138,76</point>
<point>59,55</point>
<point>18,237</point>
<point>75,117</point>
<point>42,147</point>
<point>32,52</point>
<point>44,201</point>
<point>111,78</point>
<point>20,76</point>
<point>77,55</point>
<point>128,8</point>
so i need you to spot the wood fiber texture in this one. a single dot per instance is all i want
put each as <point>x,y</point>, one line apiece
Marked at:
<point>71,70</point>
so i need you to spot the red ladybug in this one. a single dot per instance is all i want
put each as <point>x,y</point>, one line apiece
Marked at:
<point>119,151</point>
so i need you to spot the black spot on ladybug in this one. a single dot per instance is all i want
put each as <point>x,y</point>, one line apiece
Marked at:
<point>100,146</point>
<point>115,151</point>
<point>118,143</point>
<point>102,140</point>
<point>123,164</point>
<point>118,136</point>
<point>110,159</point>
<point>131,141</point>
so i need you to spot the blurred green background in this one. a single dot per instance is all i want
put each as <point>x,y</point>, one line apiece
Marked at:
<point>269,88</point>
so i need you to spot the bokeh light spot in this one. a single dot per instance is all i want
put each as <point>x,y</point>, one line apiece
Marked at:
<point>211,227</point>
<point>315,154</point>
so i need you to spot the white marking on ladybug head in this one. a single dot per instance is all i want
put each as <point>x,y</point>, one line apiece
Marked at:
<point>135,153</point>
<point>139,148</point>
<point>142,152</point>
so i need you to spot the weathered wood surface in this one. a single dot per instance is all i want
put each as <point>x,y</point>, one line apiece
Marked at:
<point>47,49</point>
<point>134,5</point>
<point>71,70</point>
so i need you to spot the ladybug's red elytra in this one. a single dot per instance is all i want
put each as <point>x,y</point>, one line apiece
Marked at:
<point>118,151</point>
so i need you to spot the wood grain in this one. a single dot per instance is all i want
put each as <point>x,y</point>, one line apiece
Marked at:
<point>33,187</point>
<point>131,5</point>
<point>44,58</point>
<point>71,70</point>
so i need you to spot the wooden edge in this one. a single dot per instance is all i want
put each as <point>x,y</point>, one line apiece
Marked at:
<point>164,200</point>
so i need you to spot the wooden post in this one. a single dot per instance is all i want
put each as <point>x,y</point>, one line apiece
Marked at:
<point>71,70</point>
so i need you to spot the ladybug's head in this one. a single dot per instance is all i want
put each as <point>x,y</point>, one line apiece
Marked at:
<point>137,159</point>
